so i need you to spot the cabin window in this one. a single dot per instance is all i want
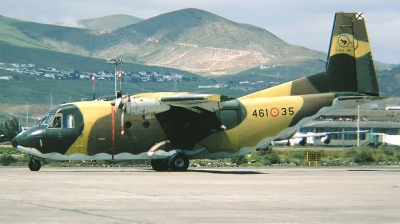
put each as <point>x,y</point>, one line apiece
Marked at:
<point>69,121</point>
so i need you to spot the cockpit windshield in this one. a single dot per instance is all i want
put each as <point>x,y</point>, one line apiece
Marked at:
<point>47,120</point>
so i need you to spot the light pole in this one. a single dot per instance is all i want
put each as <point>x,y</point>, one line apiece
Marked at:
<point>115,62</point>
<point>27,112</point>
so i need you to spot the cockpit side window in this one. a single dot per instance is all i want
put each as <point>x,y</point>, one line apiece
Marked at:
<point>46,120</point>
<point>57,121</point>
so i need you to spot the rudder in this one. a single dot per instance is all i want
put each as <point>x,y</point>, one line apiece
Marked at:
<point>350,67</point>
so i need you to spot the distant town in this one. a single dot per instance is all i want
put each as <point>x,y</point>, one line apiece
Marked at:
<point>53,73</point>
<point>127,76</point>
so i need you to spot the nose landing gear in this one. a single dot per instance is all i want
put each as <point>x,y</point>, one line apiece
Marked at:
<point>177,162</point>
<point>34,165</point>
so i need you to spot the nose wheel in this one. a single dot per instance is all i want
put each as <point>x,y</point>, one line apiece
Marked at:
<point>34,165</point>
<point>178,162</point>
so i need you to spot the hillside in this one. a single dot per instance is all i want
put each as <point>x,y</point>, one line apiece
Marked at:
<point>389,81</point>
<point>190,39</point>
<point>204,43</point>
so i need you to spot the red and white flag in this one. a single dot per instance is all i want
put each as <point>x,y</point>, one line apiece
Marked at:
<point>93,78</point>
<point>120,75</point>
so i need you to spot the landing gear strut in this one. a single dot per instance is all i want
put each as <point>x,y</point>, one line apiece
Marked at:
<point>34,165</point>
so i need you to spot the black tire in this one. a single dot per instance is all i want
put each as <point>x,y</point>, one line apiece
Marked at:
<point>34,165</point>
<point>159,164</point>
<point>178,162</point>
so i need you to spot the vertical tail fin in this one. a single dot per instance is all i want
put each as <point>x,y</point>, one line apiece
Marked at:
<point>349,68</point>
<point>350,64</point>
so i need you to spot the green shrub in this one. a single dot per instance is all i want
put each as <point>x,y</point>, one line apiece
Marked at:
<point>270,157</point>
<point>349,153</point>
<point>298,155</point>
<point>239,160</point>
<point>363,157</point>
<point>6,160</point>
<point>380,159</point>
<point>388,151</point>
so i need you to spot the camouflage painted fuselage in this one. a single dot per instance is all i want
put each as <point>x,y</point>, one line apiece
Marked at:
<point>237,128</point>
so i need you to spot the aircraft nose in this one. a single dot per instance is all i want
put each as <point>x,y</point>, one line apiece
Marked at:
<point>14,142</point>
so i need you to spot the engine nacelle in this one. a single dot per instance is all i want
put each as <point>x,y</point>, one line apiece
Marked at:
<point>325,140</point>
<point>303,142</point>
<point>140,106</point>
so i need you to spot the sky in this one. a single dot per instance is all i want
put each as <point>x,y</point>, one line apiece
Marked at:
<point>306,23</point>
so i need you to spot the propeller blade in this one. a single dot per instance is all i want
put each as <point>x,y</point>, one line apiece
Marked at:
<point>122,124</point>
<point>125,102</point>
<point>113,130</point>
<point>118,103</point>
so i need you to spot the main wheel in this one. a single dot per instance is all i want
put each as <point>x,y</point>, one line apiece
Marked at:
<point>160,164</point>
<point>34,165</point>
<point>178,162</point>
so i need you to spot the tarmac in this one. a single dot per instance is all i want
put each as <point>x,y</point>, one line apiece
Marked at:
<point>220,195</point>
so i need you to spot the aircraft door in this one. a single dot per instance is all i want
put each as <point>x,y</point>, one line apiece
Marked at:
<point>229,129</point>
<point>103,142</point>
<point>71,129</point>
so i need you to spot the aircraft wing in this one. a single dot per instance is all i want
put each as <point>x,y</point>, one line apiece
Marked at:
<point>301,138</point>
<point>153,103</point>
<point>210,102</point>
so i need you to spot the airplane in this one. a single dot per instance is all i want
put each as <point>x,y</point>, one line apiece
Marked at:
<point>169,128</point>
<point>302,139</point>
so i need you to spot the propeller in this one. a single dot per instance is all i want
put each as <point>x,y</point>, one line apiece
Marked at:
<point>115,104</point>
<point>123,107</point>
<point>120,103</point>
<point>113,130</point>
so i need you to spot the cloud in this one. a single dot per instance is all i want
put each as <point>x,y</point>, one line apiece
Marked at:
<point>71,23</point>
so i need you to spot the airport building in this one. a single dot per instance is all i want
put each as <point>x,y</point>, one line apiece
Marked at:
<point>375,119</point>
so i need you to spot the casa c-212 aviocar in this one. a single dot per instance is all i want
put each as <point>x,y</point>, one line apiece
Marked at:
<point>169,128</point>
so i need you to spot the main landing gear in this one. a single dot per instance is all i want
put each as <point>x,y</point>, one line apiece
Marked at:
<point>177,162</point>
<point>34,165</point>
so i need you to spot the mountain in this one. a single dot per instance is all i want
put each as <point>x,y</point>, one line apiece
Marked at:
<point>204,43</point>
<point>190,39</point>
